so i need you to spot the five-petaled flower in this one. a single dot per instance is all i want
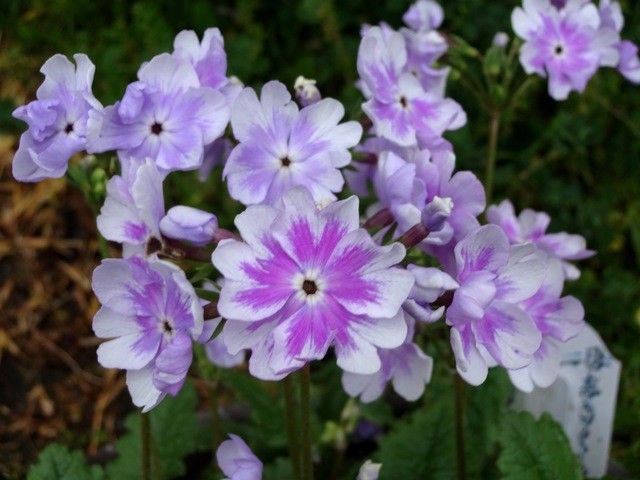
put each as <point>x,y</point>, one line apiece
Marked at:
<point>304,279</point>
<point>152,315</point>
<point>57,120</point>
<point>282,147</point>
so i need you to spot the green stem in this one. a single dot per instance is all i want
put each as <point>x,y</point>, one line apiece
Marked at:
<point>459,394</point>
<point>216,430</point>
<point>492,150</point>
<point>292,425</point>
<point>305,394</point>
<point>145,443</point>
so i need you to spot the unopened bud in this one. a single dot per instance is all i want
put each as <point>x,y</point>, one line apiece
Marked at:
<point>436,213</point>
<point>306,91</point>
<point>500,40</point>
<point>191,224</point>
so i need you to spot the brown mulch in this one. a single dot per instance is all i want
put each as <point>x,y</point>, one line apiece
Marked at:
<point>51,387</point>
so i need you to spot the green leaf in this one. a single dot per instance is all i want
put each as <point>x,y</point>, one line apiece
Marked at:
<point>421,447</point>
<point>279,469</point>
<point>484,410</point>
<point>267,409</point>
<point>57,462</point>
<point>535,450</point>
<point>174,435</point>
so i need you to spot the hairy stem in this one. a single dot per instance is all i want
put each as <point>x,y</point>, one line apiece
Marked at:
<point>305,394</point>
<point>291,420</point>
<point>216,430</point>
<point>492,150</point>
<point>459,395</point>
<point>145,447</point>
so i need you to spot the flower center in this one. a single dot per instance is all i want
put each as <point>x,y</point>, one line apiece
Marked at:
<point>403,101</point>
<point>156,128</point>
<point>285,161</point>
<point>153,245</point>
<point>68,128</point>
<point>309,287</point>
<point>167,328</point>
<point>558,50</point>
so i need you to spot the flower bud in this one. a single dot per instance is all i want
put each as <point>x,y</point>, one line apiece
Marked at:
<point>191,224</point>
<point>306,91</point>
<point>500,40</point>
<point>436,213</point>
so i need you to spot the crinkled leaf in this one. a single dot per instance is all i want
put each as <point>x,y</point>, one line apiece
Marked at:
<point>535,450</point>
<point>57,462</point>
<point>421,447</point>
<point>174,431</point>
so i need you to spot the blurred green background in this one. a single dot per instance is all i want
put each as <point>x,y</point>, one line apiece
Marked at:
<point>578,160</point>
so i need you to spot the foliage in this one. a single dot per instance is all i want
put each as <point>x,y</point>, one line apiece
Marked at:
<point>57,462</point>
<point>577,160</point>
<point>174,432</point>
<point>535,450</point>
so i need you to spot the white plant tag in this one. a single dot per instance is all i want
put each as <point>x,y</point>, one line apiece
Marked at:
<point>582,399</point>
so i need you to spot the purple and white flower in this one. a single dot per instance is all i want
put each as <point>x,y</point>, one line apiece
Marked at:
<point>425,45</point>
<point>133,209</point>
<point>303,280</point>
<point>152,315</point>
<point>424,15</point>
<point>629,65</point>
<point>215,154</point>
<point>237,461</point>
<point>408,186</point>
<point>611,18</point>
<point>558,319</point>
<point>430,284</point>
<point>531,226</point>
<point>57,119</point>
<point>407,367</point>
<point>283,147</point>
<point>166,115</point>
<point>399,107</point>
<point>190,224</point>
<point>207,57</point>
<point>488,325</point>
<point>565,44</point>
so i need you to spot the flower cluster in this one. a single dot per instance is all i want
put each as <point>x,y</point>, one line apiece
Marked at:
<point>304,274</point>
<point>568,41</point>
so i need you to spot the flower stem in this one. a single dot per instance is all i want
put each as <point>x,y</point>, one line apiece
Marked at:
<point>305,394</point>
<point>459,395</point>
<point>145,443</point>
<point>492,150</point>
<point>216,427</point>
<point>291,419</point>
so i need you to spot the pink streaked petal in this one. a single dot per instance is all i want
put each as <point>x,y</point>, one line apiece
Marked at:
<point>108,323</point>
<point>508,334</point>
<point>249,303</point>
<point>143,392</point>
<point>470,364</point>
<point>254,224</point>
<point>238,336</point>
<point>130,352</point>
<point>520,281</point>
<point>485,249</point>
<point>521,379</point>
<point>356,355</point>
<point>381,332</point>
<point>345,212</point>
